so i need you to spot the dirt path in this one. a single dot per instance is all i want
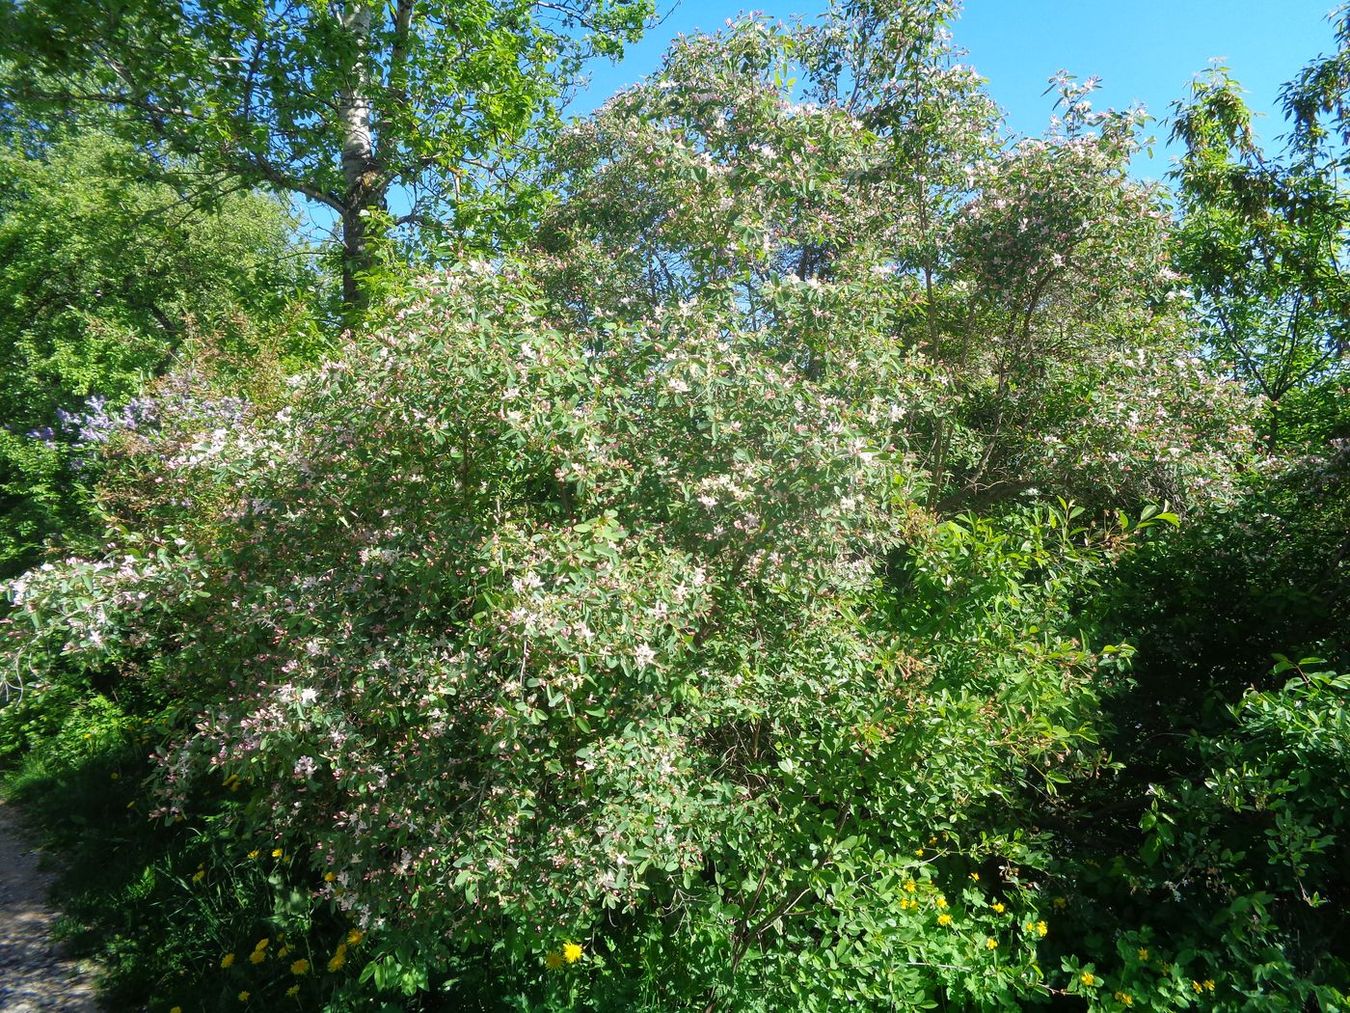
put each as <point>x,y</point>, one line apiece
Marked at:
<point>34,973</point>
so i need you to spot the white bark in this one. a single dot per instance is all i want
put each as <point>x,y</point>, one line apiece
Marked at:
<point>357,140</point>
<point>358,154</point>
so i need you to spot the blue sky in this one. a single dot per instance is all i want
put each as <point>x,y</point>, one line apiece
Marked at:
<point>1144,50</point>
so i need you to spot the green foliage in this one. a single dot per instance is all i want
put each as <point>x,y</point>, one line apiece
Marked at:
<point>1220,895</point>
<point>688,612</point>
<point>1259,576</point>
<point>430,102</point>
<point>1214,838</point>
<point>159,905</point>
<point>650,693</point>
<point>1262,242</point>
<point>103,282</point>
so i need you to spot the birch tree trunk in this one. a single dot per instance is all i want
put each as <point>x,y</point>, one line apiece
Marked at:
<point>364,189</point>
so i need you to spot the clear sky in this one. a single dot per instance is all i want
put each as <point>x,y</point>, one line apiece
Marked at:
<point>1144,50</point>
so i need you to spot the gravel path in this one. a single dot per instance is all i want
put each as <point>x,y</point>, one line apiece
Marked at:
<point>34,973</point>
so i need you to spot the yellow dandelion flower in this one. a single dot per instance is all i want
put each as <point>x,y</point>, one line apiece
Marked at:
<point>941,902</point>
<point>553,960</point>
<point>918,852</point>
<point>199,875</point>
<point>227,960</point>
<point>910,886</point>
<point>571,952</point>
<point>355,936</point>
<point>254,853</point>
<point>262,943</point>
<point>1143,954</point>
<point>944,919</point>
<point>328,877</point>
<point>998,907</point>
<point>1197,987</point>
<point>276,852</point>
<point>292,992</point>
<point>991,943</point>
<point>339,958</point>
<point>1124,998</point>
<point>1209,984</point>
<point>176,1009</point>
<point>243,996</point>
<point>1088,978</point>
<point>975,876</point>
<point>300,966</point>
<point>257,956</point>
<point>1042,929</point>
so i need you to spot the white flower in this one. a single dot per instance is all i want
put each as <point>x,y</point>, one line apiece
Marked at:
<point>529,581</point>
<point>644,655</point>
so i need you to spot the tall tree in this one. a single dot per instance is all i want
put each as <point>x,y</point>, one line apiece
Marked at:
<point>344,103</point>
<point>1263,235</point>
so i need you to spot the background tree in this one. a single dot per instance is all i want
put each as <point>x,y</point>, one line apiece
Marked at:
<point>1262,240</point>
<point>103,277</point>
<point>340,103</point>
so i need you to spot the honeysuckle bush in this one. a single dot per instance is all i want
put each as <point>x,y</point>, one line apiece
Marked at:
<point>518,633</point>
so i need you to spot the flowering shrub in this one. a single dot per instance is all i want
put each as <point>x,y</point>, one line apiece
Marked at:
<point>1031,281</point>
<point>522,638</point>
